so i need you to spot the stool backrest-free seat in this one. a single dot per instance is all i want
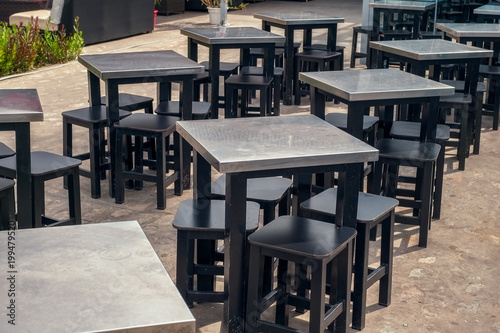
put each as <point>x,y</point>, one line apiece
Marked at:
<point>46,166</point>
<point>7,204</point>
<point>5,151</point>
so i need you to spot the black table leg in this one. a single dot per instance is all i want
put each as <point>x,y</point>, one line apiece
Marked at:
<point>113,115</point>
<point>24,195</point>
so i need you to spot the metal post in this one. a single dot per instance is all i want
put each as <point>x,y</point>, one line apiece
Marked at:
<point>223,14</point>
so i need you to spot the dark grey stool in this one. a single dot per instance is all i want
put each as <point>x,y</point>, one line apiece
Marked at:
<point>95,120</point>
<point>323,246</point>
<point>355,54</point>
<point>198,220</point>
<point>150,126</point>
<point>200,110</point>
<point>492,108</point>
<point>131,102</point>
<point>372,211</point>
<point>7,204</point>
<point>407,130</point>
<point>247,83</point>
<point>276,89</point>
<point>46,166</point>
<point>323,47</point>
<point>5,151</point>
<point>394,153</point>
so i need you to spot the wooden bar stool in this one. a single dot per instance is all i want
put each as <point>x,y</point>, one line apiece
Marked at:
<point>247,83</point>
<point>7,204</point>
<point>355,54</point>
<point>394,153</point>
<point>326,248</point>
<point>276,88</point>
<point>95,120</point>
<point>203,220</point>
<point>492,108</point>
<point>372,211</point>
<point>46,166</point>
<point>150,126</point>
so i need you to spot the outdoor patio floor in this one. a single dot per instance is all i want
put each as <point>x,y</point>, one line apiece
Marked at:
<point>450,286</point>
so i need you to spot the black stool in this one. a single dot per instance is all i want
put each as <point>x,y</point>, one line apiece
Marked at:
<point>200,110</point>
<point>246,83</point>
<point>258,53</point>
<point>46,166</point>
<point>323,47</point>
<point>370,125</point>
<point>408,130</point>
<point>492,108</point>
<point>226,69</point>
<point>131,102</point>
<point>203,220</point>
<point>313,60</point>
<point>95,120</point>
<point>372,211</point>
<point>395,153</point>
<point>370,35</point>
<point>5,151</point>
<point>144,125</point>
<point>7,204</point>
<point>323,246</point>
<point>277,84</point>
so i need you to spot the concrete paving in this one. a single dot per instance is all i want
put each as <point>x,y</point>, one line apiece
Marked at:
<point>451,286</point>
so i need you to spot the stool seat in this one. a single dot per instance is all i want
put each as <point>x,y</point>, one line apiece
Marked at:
<point>92,114</point>
<point>459,85</point>
<point>200,215</point>
<point>131,102</point>
<point>457,98</point>
<point>200,110</point>
<point>371,207</point>
<point>149,122</point>
<point>260,190</point>
<point>249,80</point>
<point>225,68</point>
<point>5,151</point>
<point>285,235</point>
<point>253,70</point>
<point>314,55</point>
<point>7,204</point>
<point>386,34</point>
<point>42,163</point>
<point>6,183</point>
<point>408,150</point>
<point>247,83</point>
<point>410,130</point>
<point>340,120</point>
<point>260,51</point>
<point>489,70</point>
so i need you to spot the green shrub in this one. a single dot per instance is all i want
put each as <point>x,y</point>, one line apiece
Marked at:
<point>26,48</point>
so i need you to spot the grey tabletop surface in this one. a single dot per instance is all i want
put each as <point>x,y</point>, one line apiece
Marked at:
<point>431,49</point>
<point>487,10</point>
<point>103,277</point>
<point>231,35</point>
<point>266,143</point>
<point>292,18</point>
<point>375,84</point>
<point>139,64</point>
<point>403,5</point>
<point>470,29</point>
<point>20,106</point>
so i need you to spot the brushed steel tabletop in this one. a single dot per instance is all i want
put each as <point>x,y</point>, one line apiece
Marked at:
<point>431,49</point>
<point>457,30</point>
<point>487,10</point>
<point>292,18</point>
<point>231,35</point>
<point>20,106</point>
<point>403,5</point>
<point>139,64</point>
<point>103,277</point>
<point>254,144</point>
<point>375,84</point>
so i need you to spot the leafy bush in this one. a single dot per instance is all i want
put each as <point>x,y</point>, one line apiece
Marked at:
<point>26,48</point>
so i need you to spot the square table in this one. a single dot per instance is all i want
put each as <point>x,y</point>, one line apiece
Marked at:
<point>488,12</point>
<point>103,277</point>
<point>219,38</point>
<point>256,147</point>
<point>299,21</point>
<point>376,87</point>
<point>419,10</point>
<point>477,33</point>
<point>162,67</point>
<point>18,108</point>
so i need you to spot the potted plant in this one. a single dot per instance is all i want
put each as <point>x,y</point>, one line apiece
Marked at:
<point>213,7</point>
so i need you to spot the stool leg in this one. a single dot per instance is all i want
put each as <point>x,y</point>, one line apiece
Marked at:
<point>38,200</point>
<point>95,162</point>
<point>276,95</point>
<point>342,272</point>
<point>386,259</point>
<point>67,143</point>
<point>161,185</point>
<point>438,186</point>
<point>282,310</point>
<point>139,160</point>
<point>178,163</point>
<point>182,275</point>
<point>496,104</point>
<point>228,96</point>
<point>463,141</point>
<point>318,288</point>
<point>425,214</point>
<point>255,280</point>
<point>360,276</point>
<point>119,179</point>
<point>74,202</point>
<point>353,48</point>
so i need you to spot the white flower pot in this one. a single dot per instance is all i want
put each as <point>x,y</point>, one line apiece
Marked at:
<point>214,15</point>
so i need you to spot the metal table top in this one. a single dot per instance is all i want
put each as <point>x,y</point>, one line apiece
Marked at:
<point>102,277</point>
<point>254,144</point>
<point>375,84</point>
<point>231,35</point>
<point>487,10</point>
<point>457,30</point>
<point>139,64</point>
<point>403,5</point>
<point>430,49</point>
<point>298,18</point>
<point>20,106</point>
